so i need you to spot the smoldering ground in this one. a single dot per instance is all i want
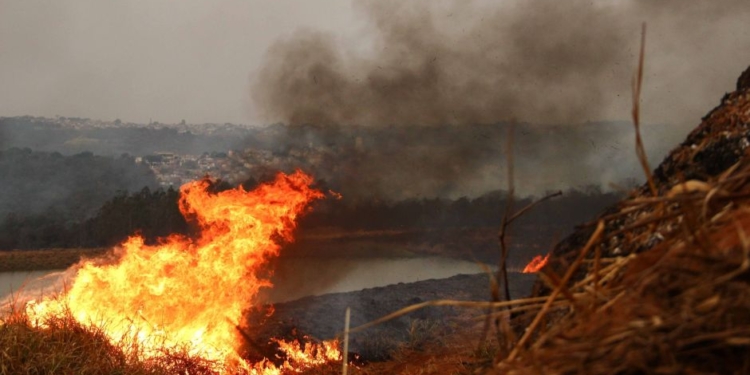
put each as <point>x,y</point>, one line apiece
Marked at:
<point>437,63</point>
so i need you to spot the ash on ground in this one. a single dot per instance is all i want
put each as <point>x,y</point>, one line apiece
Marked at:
<point>322,317</point>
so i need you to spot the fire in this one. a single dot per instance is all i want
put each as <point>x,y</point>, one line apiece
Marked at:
<point>536,264</point>
<point>191,292</point>
<point>307,353</point>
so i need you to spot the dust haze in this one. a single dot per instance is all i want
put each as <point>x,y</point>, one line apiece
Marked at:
<point>472,62</point>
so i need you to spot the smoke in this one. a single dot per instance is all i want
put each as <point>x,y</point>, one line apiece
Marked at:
<point>538,62</point>
<point>458,62</point>
<point>403,162</point>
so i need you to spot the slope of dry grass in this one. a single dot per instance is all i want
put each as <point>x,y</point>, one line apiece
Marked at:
<point>65,346</point>
<point>660,283</point>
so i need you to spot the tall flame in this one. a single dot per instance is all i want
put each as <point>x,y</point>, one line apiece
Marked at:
<point>189,293</point>
<point>536,264</point>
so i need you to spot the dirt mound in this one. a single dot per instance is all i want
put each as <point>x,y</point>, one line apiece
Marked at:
<point>658,283</point>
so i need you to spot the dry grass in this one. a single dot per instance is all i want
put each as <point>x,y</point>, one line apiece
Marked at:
<point>434,350</point>
<point>671,295</point>
<point>67,347</point>
<point>61,345</point>
<point>681,307</point>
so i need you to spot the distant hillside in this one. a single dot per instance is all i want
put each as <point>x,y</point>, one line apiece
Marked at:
<point>54,190</point>
<point>70,136</point>
<point>392,162</point>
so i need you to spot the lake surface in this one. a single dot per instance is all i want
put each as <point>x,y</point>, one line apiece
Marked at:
<point>298,277</point>
<point>28,281</point>
<point>293,277</point>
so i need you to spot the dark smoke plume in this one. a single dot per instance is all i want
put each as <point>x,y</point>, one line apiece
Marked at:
<point>464,63</point>
<point>541,61</point>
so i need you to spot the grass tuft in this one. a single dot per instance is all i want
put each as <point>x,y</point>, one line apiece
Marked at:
<point>62,345</point>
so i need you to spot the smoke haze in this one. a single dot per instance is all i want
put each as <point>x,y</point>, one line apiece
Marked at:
<point>166,61</point>
<point>458,62</point>
<point>379,63</point>
<point>138,61</point>
<point>402,162</point>
<point>537,62</point>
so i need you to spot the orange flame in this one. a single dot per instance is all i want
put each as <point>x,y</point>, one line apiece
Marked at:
<point>536,264</point>
<point>191,293</point>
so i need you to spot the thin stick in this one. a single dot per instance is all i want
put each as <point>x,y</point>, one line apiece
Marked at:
<point>597,268</point>
<point>508,218</point>
<point>503,271</point>
<point>532,205</point>
<point>637,84</point>
<point>345,354</point>
<point>573,267</point>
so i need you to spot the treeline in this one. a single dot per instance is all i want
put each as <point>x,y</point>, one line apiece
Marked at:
<point>155,213</point>
<point>33,183</point>
<point>44,197</point>
<point>574,206</point>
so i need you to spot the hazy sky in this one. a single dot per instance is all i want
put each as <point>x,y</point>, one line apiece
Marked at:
<point>135,60</point>
<point>168,60</point>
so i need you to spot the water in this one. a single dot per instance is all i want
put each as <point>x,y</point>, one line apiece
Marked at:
<point>300,277</point>
<point>29,282</point>
<point>293,277</point>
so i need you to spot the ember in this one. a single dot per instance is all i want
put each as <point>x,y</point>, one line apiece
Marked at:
<point>536,264</point>
<point>190,293</point>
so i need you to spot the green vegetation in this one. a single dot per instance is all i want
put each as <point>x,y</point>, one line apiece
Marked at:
<point>70,186</point>
<point>45,195</point>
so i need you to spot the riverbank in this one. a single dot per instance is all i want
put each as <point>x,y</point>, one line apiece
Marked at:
<point>46,259</point>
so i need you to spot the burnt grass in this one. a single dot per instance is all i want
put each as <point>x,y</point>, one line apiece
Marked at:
<point>322,317</point>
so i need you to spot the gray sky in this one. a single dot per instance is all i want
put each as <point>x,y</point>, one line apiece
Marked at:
<point>170,60</point>
<point>161,59</point>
